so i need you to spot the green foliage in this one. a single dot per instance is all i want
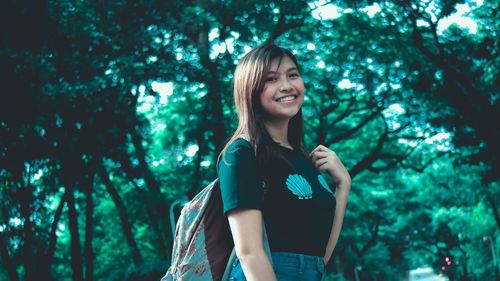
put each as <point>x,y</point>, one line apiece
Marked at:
<point>409,109</point>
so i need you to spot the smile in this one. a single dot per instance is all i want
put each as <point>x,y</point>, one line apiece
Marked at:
<point>286,98</point>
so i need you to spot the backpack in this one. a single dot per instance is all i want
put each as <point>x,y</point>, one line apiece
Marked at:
<point>203,245</point>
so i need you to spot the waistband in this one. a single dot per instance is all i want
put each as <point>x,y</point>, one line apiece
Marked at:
<point>299,261</point>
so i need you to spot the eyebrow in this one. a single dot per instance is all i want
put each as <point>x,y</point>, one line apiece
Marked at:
<point>288,70</point>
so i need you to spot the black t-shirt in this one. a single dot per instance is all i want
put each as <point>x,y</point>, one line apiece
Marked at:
<point>298,205</point>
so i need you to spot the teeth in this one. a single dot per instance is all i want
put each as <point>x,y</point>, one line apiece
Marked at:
<point>287,98</point>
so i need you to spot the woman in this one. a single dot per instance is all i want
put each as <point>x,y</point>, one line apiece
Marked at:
<point>301,214</point>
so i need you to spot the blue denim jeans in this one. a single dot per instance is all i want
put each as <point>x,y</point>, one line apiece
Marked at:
<point>288,267</point>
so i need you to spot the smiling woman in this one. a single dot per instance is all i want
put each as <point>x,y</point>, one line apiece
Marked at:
<point>283,92</point>
<point>267,177</point>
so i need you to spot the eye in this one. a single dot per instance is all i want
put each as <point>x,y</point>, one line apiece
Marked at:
<point>270,79</point>
<point>294,75</point>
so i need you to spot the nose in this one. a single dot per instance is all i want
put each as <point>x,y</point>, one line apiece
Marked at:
<point>285,85</point>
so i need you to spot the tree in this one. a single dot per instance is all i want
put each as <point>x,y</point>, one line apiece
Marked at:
<point>116,109</point>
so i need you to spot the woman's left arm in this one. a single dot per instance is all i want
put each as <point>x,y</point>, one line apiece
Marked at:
<point>326,160</point>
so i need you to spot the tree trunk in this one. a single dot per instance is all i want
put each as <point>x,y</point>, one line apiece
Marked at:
<point>88,251</point>
<point>143,195</point>
<point>471,104</point>
<point>53,229</point>
<point>28,245</point>
<point>494,209</point>
<point>76,251</point>
<point>215,101</point>
<point>216,120</point>
<point>7,262</point>
<point>36,266</point>
<point>154,197</point>
<point>122,213</point>
<point>197,163</point>
<point>149,178</point>
<point>154,222</point>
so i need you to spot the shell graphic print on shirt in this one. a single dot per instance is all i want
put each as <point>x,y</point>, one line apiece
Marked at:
<point>299,186</point>
<point>299,205</point>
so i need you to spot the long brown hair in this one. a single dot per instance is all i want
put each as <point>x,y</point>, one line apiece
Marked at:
<point>248,82</point>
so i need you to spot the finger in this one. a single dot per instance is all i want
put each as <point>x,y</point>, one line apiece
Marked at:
<point>319,155</point>
<point>314,150</point>
<point>319,148</point>
<point>320,162</point>
<point>322,167</point>
<point>326,150</point>
<point>322,148</point>
<point>322,154</point>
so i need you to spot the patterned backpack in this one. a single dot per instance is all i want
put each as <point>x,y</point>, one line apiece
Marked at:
<point>203,246</point>
<point>203,243</point>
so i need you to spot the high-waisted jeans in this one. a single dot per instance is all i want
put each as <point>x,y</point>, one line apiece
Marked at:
<point>288,267</point>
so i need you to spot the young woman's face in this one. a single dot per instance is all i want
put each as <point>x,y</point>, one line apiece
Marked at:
<point>283,92</point>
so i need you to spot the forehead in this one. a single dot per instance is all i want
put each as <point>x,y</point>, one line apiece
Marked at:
<point>280,64</point>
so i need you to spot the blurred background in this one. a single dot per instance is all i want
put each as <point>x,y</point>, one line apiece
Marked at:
<point>113,111</point>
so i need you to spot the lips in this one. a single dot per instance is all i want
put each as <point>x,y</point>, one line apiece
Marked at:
<point>286,98</point>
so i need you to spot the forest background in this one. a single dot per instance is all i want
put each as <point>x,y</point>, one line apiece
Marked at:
<point>114,110</point>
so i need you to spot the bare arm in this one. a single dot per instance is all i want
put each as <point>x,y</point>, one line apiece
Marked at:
<point>246,228</point>
<point>341,195</point>
<point>326,160</point>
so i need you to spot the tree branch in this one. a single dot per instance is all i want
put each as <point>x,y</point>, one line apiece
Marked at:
<point>370,158</point>
<point>282,27</point>
<point>356,128</point>
<point>373,239</point>
<point>425,165</point>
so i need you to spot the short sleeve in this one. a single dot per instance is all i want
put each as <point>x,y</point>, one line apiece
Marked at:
<point>238,178</point>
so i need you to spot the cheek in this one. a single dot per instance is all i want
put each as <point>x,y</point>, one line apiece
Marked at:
<point>266,94</point>
<point>300,86</point>
<point>264,99</point>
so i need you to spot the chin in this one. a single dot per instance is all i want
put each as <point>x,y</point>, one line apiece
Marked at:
<point>285,116</point>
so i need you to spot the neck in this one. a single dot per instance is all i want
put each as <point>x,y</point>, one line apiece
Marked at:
<point>278,130</point>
